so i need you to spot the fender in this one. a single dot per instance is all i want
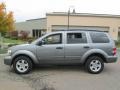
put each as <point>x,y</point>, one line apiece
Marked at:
<point>92,51</point>
<point>28,53</point>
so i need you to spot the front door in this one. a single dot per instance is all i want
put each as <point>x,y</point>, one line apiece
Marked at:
<point>52,51</point>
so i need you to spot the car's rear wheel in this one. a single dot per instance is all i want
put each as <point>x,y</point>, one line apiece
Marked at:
<point>22,65</point>
<point>94,64</point>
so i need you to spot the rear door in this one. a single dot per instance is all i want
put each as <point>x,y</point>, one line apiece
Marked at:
<point>76,45</point>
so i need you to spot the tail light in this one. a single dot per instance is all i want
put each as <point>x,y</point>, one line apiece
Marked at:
<point>114,51</point>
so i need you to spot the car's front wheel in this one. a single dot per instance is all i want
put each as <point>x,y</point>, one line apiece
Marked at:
<point>94,64</point>
<point>22,65</point>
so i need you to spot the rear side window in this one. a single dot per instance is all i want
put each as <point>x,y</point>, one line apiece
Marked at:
<point>74,38</point>
<point>98,37</point>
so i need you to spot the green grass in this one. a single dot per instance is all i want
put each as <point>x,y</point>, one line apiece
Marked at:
<point>117,43</point>
<point>8,40</point>
<point>118,46</point>
<point>2,51</point>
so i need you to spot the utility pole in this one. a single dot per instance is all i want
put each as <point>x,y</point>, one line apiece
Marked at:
<point>68,15</point>
<point>68,18</point>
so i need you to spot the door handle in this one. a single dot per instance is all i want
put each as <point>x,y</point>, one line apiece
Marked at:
<point>86,47</point>
<point>59,47</point>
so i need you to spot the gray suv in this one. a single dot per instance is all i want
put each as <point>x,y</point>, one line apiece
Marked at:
<point>88,47</point>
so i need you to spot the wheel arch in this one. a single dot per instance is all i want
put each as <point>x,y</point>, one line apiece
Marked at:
<point>22,55</point>
<point>94,52</point>
<point>28,54</point>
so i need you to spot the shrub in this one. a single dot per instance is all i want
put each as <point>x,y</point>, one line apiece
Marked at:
<point>117,43</point>
<point>12,34</point>
<point>24,35</point>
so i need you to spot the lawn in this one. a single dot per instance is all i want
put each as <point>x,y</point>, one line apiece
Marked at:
<point>13,41</point>
<point>118,46</point>
<point>8,41</point>
<point>2,51</point>
<point>117,43</point>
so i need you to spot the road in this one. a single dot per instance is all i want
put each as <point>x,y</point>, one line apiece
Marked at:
<point>60,78</point>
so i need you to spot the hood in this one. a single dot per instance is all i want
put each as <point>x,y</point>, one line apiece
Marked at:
<point>18,46</point>
<point>28,47</point>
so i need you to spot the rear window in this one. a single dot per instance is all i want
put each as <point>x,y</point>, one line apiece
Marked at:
<point>98,37</point>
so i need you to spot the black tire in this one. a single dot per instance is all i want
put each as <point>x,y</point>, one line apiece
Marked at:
<point>27,61</point>
<point>93,68</point>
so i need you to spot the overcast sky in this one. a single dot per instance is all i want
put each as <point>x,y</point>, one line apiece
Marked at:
<point>31,9</point>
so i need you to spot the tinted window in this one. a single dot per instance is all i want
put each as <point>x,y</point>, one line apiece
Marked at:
<point>53,39</point>
<point>98,37</point>
<point>76,38</point>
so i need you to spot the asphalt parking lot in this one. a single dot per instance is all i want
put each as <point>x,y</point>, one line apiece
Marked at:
<point>60,78</point>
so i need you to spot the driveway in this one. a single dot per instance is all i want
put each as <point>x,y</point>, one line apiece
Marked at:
<point>60,78</point>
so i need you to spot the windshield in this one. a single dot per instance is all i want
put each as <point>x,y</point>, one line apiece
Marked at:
<point>35,41</point>
<point>38,39</point>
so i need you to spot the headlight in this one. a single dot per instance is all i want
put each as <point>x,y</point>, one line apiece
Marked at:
<point>9,52</point>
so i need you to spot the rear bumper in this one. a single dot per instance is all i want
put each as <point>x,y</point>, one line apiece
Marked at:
<point>8,60</point>
<point>111,59</point>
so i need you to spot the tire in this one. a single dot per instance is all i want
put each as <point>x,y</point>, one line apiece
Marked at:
<point>94,64</point>
<point>22,65</point>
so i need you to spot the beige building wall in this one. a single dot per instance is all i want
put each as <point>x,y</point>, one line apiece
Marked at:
<point>113,23</point>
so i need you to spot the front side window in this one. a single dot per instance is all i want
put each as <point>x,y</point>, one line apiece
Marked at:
<point>53,39</point>
<point>76,38</point>
<point>99,37</point>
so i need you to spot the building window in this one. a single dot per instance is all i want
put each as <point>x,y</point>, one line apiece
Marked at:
<point>33,32</point>
<point>36,33</point>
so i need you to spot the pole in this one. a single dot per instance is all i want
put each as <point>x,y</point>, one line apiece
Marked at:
<point>68,18</point>
<point>68,26</point>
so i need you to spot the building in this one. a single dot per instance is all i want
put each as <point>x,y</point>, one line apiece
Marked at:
<point>61,20</point>
<point>35,27</point>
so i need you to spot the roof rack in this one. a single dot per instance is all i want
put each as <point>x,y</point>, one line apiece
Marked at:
<point>80,30</point>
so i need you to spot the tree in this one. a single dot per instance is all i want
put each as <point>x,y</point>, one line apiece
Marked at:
<point>6,20</point>
<point>10,21</point>
<point>2,17</point>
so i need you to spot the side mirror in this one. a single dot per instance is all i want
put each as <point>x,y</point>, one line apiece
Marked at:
<point>42,42</point>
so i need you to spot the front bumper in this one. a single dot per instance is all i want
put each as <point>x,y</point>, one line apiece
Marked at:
<point>111,59</point>
<point>8,60</point>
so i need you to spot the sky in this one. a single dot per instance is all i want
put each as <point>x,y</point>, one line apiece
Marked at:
<point>32,9</point>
